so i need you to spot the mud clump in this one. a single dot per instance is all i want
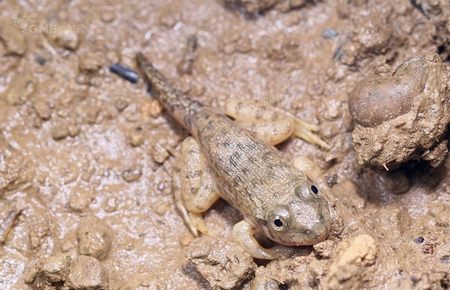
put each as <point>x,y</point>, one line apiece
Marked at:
<point>404,115</point>
<point>349,268</point>
<point>94,238</point>
<point>223,264</point>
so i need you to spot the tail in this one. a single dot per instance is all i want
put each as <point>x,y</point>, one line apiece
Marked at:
<point>176,103</point>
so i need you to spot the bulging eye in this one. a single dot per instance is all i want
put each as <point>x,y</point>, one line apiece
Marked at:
<point>278,223</point>
<point>279,219</point>
<point>314,189</point>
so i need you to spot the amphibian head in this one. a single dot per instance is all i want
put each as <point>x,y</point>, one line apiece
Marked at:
<point>303,219</point>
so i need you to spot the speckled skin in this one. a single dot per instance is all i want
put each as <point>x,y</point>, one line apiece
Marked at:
<point>252,176</point>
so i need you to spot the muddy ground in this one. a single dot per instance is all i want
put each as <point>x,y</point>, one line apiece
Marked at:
<point>86,157</point>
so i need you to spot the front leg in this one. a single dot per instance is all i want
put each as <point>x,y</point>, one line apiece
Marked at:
<point>243,234</point>
<point>194,188</point>
<point>270,124</point>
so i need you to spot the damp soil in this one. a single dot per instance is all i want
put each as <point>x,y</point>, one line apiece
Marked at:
<point>86,157</point>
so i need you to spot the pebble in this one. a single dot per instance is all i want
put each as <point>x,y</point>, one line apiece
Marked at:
<point>79,199</point>
<point>91,62</point>
<point>224,264</point>
<point>42,109</point>
<point>13,39</point>
<point>65,36</point>
<point>59,132</point>
<point>151,109</point>
<point>20,89</point>
<point>87,273</point>
<point>124,72</point>
<point>159,153</point>
<point>419,240</point>
<point>132,174</point>
<point>329,33</point>
<point>110,204</point>
<point>136,137</point>
<point>354,255</point>
<point>55,268</point>
<point>94,238</point>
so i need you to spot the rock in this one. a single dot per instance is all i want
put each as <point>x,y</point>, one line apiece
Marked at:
<point>59,132</point>
<point>87,273</point>
<point>348,267</point>
<point>94,238</point>
<point>42,109</point>
<point>91,62</point>
<point>151,109</point>
<point>159,153</point>
<point>402,116</point>
<point>132,174</point>
<point>55,269</point>
<point>290,273</point>
<point>223,264</point>
<point>20,89</point>
<point>49,273</point>
<point>136,137</point>
<point>80,199</point>
<point>65,35</point>
<point>13,39</point>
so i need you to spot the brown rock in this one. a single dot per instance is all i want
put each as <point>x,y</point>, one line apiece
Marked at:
<point>224,264</point>
<point>94,238</point>
<point>13,39</point>
<point>87,273</point>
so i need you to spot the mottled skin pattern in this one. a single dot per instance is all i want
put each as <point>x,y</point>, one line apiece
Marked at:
<point>252,176</point>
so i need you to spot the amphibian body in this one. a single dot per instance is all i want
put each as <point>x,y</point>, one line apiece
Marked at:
<point>239,164</point>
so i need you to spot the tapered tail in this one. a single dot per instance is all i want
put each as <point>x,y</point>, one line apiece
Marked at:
<point>176,103</point>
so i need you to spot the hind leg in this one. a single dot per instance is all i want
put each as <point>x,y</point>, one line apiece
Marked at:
<point>194,188</point>
<point>270,124</point>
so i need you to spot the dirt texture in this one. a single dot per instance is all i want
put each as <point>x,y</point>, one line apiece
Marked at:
<point>86,157</point>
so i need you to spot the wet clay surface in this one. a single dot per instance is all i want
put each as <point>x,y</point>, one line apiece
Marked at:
<point>86,157</point>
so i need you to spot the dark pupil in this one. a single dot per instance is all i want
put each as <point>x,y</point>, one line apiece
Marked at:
<point>314,189</point>
<point>278,222</point>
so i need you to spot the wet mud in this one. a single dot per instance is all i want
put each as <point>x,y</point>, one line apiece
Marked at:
<point>86,157</point>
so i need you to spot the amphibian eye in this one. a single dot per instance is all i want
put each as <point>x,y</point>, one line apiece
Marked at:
<point>278,223</point>
<point>314,189</point>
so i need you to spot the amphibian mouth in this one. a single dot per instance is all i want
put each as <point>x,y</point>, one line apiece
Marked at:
<point>239,164</point>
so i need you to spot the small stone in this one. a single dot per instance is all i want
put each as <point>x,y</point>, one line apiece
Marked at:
<point>419,240</point>
<point>136,137</point>
<point>73,129</point>
<point>110,204</point>
<point>42,109</point>
<point>151,109</point>
<point>428,248</point>
<point>132,174</point>
<point>224,264</point>
<point>445,259</point>
<point>329,33</point>
<point>59,132</point>
<point>324,249</point>
<point>107,16</point>
<point>55,268</point>
<point>80,199</point>
<point>13,39</point>
<point>94,238</point>
<point>91,62</point>
<point>186,239</point>
<point>65,36</point>
<point>20,89</point>
<point>161,208</point>
<point>348,266</point>
<point>159,153</point>
<point>121,104</point>
<point>87,273</point>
